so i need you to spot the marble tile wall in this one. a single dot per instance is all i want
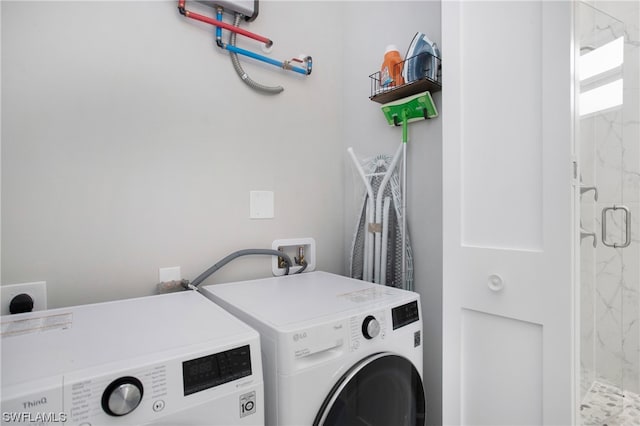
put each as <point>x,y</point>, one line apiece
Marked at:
<point>610,160</point>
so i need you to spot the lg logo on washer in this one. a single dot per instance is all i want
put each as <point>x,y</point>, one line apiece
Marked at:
<point>299,336</point>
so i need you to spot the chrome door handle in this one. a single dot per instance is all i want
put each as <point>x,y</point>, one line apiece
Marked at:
<point>627,220</point>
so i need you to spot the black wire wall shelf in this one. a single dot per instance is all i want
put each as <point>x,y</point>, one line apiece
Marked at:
<point>423,73</point>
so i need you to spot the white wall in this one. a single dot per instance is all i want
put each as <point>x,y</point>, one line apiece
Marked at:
<point>371,27</point>
<point>129,144</point>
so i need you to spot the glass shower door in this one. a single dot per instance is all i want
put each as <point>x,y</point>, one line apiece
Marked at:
<point>607,68</point>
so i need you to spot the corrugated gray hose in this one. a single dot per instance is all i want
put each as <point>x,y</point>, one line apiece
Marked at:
<point>203,276</point>
<point>269,90</point>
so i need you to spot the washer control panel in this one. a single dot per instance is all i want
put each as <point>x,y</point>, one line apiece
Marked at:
<point>122,396</point>
<point>405,314</point>
<point>367,328</point>
<point>213,370</point>
<point>144,394</point>
<point>370,327</point>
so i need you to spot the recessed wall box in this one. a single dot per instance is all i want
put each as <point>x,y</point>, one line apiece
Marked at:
<point>299,250</point>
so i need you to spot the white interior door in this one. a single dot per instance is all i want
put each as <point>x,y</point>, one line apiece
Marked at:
<point>508,213</point>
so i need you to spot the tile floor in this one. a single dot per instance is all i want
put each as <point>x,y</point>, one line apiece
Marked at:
<point>606,405</point>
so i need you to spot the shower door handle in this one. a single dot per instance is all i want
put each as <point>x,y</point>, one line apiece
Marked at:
<point>627,220</point>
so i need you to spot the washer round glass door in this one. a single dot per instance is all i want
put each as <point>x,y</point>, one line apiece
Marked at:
<point>382,390</point>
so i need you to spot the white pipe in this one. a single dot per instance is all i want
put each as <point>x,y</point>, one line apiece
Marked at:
<point>404,215</point>
<point>367,273</point>
<point>383,184</point>
<point>385,241</point>
<point>367,261</point>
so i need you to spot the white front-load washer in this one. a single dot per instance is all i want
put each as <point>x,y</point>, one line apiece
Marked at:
<point>336,351</point>
<point>173,359</point>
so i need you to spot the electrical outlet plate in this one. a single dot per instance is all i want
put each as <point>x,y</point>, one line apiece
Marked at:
<point>290,247</point>
<point>37,291</point>
<point>169,274</point>
<point>261,205</point>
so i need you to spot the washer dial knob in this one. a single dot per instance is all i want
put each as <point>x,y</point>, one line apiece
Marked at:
<point>370,327</point>
<point>122,396</point>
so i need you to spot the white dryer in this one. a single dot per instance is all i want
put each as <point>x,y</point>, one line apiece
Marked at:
<point>171,359</point>
<point>336,351</point>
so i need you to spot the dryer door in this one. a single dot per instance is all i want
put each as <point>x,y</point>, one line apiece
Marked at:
<point>384,389</point>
